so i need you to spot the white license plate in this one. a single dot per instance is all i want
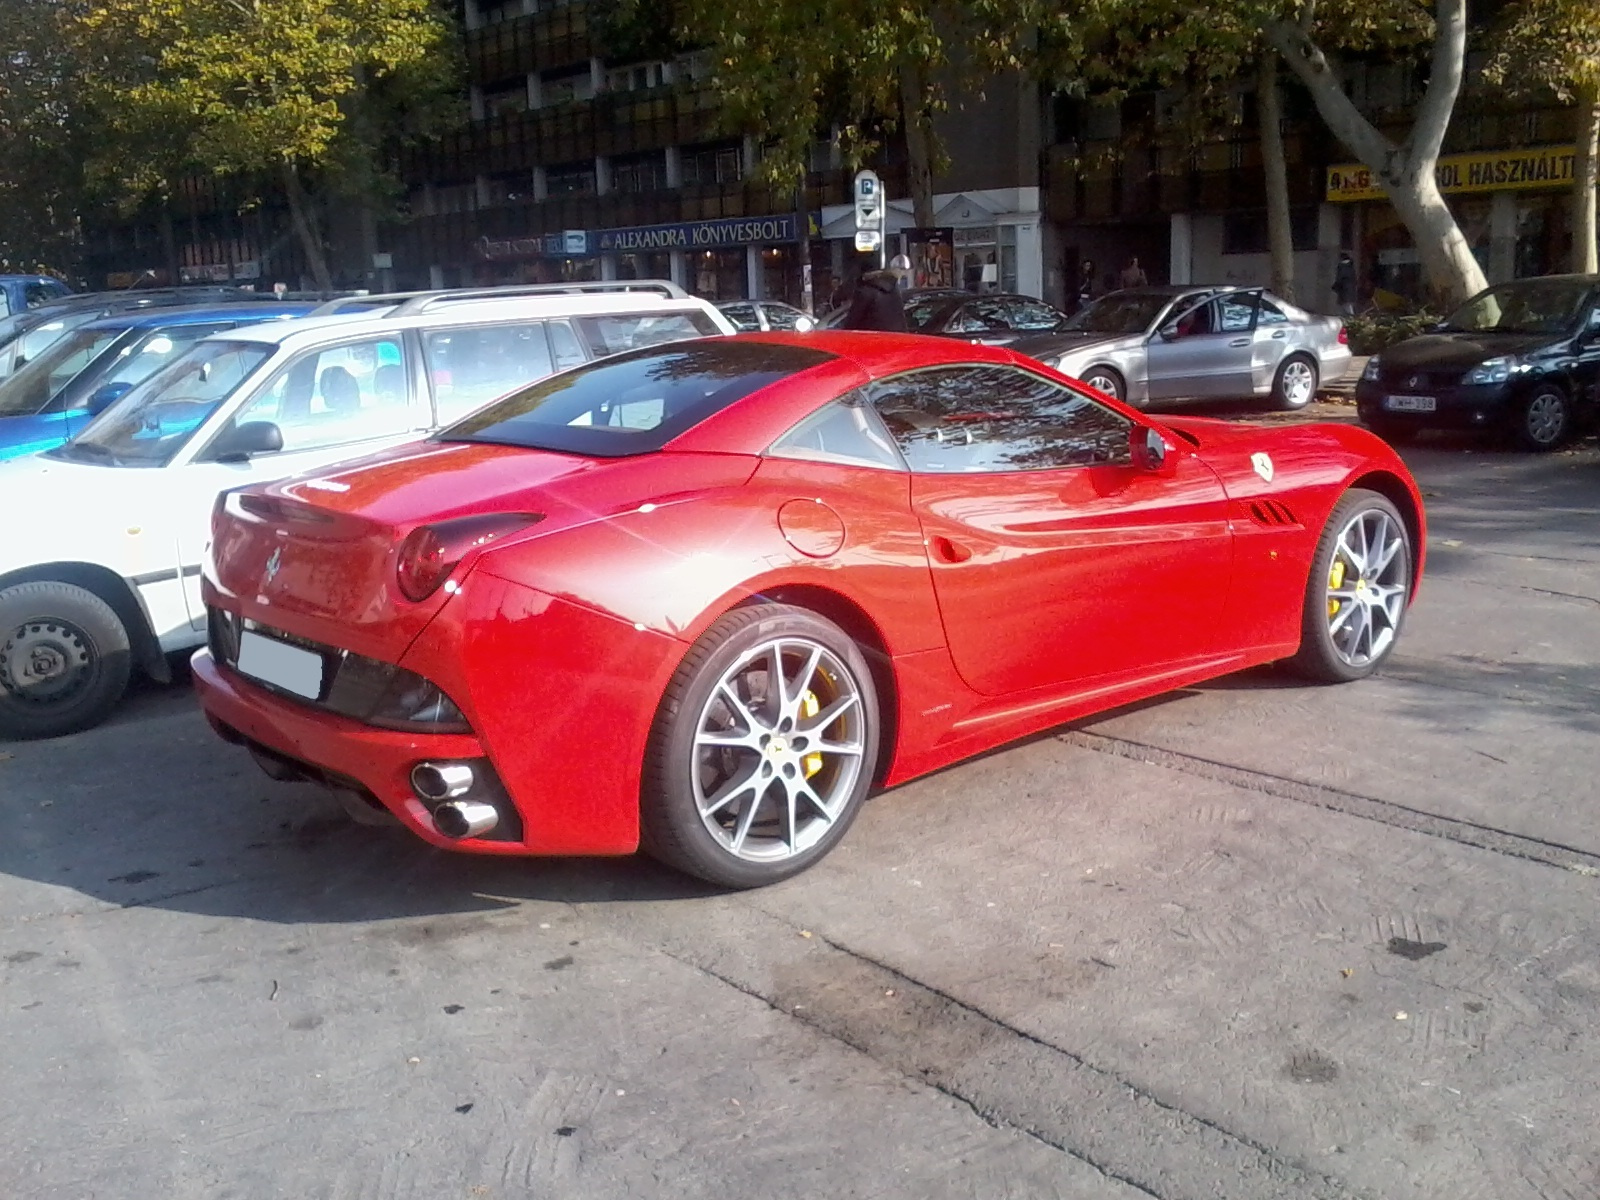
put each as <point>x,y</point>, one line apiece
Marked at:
<point>1410,403</point>
<point>283,666</point>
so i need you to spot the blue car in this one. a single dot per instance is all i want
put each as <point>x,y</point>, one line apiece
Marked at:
<point>86,371</point>
<point>18,293</point>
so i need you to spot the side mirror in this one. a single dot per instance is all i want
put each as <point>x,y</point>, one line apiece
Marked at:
<point>1150,450</point>
<point>104,396</point>
<point>1169,332</point>
<point>241,443</point>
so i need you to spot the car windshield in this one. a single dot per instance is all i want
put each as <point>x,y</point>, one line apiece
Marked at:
<point>633,403</point>
<point>38,338</point>
<point>1529,306</point>
<point>925,314</point>
<point>1124,312</point>
<point>155,420</point>
<point>35,384</point>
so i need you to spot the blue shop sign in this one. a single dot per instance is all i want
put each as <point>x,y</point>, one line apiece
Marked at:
<point>570,243</point>
<point>698,235</point>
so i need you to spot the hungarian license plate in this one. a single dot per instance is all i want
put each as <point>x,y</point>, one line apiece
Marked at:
<point>296,671</point>
<point>1411,403</point>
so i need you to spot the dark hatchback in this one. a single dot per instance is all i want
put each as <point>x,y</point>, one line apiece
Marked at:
<point>1520,358</point>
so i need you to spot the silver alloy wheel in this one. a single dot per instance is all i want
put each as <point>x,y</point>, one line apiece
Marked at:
<point>778,749</point>
<point>1100,381</point>
<point>45,662</point>
<point>1299,383</point>
<point>1545,419</point>
<point>1368,581</point>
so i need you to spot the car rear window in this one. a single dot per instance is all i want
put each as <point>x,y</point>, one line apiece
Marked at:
<point>634,403</point>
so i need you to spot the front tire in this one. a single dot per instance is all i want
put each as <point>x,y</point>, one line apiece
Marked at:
<point>1295,384</point>
<point>65,660</point>
<point>1359,588</point>
<point>1107,382</point>
<point>1544,419</point>
<point>763,748</point>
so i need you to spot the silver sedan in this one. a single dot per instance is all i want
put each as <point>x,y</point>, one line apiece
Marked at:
<point>1161,344</point>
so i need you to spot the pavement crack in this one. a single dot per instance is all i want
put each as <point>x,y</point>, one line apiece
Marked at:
<point>1007,1077</point>
<point>1383,812</point>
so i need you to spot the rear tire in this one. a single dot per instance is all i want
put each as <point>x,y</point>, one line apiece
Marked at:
<point>1295,384</point>
<point>745,785</point>
<point>1348,628</point>
<point>65,660</point>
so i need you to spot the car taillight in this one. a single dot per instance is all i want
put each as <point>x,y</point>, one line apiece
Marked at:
<point>1344,335</point>
<point>430,552</point>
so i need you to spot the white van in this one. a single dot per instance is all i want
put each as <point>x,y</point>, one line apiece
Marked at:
<point>103,537</point>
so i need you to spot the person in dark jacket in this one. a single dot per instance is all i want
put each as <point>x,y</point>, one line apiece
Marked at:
<point>877,304</point>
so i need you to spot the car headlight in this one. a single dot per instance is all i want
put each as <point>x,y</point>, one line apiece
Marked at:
<point>1492,370</point>
<point>1370,373</point>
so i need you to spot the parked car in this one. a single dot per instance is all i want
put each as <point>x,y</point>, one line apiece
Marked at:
<point>18,293</point>
<point>749,316</point>
<point>26,334</point>
<point>109,581</point>
<point>834,317</point>
<point>703,597</point>
<point>997,319</point>
<point>1521,358</point>
<point>84,373</point>
<point>1155,345</point>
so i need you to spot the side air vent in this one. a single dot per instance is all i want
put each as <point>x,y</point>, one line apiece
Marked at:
<point>1272,513</point>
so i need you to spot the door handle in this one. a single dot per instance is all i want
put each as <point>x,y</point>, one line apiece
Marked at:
<point>1240,342</point>
<point>950,552</point>
<point>1280,335</point>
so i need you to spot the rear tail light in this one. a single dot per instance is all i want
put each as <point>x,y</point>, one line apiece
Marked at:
<point>1344,335</point>
<point>430,552</point>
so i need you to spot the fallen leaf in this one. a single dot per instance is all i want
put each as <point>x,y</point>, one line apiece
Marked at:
<point>1346,972</point>
<point>1402,1016</point>
<point>805,933</point>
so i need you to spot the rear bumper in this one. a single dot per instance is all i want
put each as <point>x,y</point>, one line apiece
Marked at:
<point>348,754</point>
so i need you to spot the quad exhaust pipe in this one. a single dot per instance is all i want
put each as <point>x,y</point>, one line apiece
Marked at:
<point>443,785</point>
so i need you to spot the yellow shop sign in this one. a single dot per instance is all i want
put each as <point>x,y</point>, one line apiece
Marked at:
<point>1485,171</point>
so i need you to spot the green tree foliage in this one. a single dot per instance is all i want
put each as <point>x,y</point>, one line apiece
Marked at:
<point>292,89</point>
<point>1553,46</point>
<point>39,142</point>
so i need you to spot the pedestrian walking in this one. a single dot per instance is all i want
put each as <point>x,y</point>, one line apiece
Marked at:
<point>1133,275</point>
<point>1344,284</point>
<point>877,302</point>
<point>1086,285</point>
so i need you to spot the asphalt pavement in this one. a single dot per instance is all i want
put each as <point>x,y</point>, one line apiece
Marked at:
<point>1254,940</point>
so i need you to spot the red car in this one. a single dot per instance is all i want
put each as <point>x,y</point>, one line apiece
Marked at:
<point>702,597</point>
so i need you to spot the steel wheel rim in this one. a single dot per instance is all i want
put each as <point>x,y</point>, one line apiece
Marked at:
<point>45,662</point>
<point>1368,581</point>
<point>1101,382</point>
<point>1547,417</point>
<point>773,769</point>
<point>1298,384</point>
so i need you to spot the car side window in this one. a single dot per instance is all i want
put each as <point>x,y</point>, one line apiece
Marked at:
<point>1271,314</point>
<point>845,431</point>
<point>470,366</point>
<point>1030,314</point>
<point>780,316</point>
<point>345,393</point>
<point>743,316</point>
<point>1237,314</point>
<point>614,334</point>
<point>564,347</point>
<point>951,420</point>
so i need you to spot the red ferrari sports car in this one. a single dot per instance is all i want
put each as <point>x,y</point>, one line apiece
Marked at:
<point>702,597</point>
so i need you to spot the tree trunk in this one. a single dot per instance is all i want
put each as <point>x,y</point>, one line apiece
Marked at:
<point>301,219</point>
<point>1280,234</point>
<point>1586,177</point>
<point>919,145</point>
<point>1406,171</point>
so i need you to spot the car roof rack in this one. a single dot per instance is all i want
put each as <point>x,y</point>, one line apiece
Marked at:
<point>428,300</point>
<point>341,304</point>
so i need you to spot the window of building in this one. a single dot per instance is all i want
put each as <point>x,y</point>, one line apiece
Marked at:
<point>953,420</point>
<point>496,12</point>
<point>513,98</point>
<point>1245,232</point>
<point>639,172</point>
<point>695,67</point>
<point>571,179</point>
<point>708,166</point>
<point>565,87</point>
<point>455,198</point>
<point>636,77</point>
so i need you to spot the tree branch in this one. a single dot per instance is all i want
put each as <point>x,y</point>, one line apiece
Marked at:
<point>1444,80</point>
<point>1311,66</point>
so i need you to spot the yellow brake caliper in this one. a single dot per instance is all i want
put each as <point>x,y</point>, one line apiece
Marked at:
<point>1335,582</point>
<point>810,706</point>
